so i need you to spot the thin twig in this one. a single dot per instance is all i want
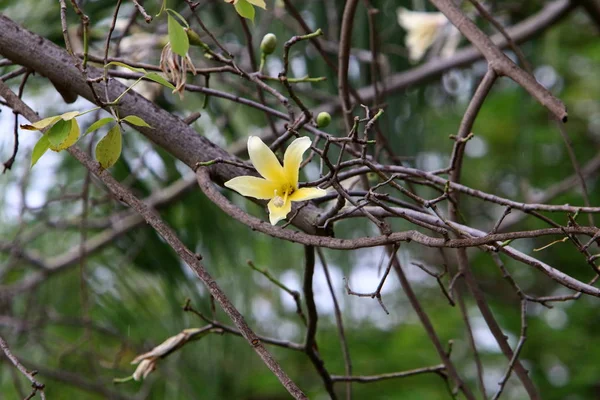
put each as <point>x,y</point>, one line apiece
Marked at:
<point>339,323</point>
<point>310,344</point>
<point>295,294</point>
<point>141,10</point>
<point>37,386</point>
<point>393,375</point>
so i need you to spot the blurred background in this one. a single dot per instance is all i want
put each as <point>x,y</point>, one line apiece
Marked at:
<point>81,325</point>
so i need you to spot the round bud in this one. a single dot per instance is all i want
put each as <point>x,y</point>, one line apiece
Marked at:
<point>323,119</point>
<point>268,43</point>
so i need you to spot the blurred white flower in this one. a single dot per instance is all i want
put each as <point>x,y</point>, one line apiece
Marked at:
<point>144,368</point>
<point>425,28</point>
<point>147,361</point>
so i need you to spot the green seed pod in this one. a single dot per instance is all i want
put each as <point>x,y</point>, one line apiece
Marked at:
<point>268,44</point>
<point>323,119</point>
<point>194,39</point>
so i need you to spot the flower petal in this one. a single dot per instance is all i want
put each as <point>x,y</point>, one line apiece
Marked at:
<point>452,41</point>
<point>264,160</point>
<point>293,158</point>
<point>410,20</point>
<point>303,194</point>
<point>422,29</point>
<point>253,187</point>
<point>144,369</point>
<point>276,214</point>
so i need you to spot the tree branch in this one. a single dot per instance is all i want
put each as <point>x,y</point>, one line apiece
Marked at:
<point>37,386</point>
<point>190,258</point>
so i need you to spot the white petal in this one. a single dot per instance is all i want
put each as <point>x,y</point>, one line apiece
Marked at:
<point>144,369</point>
<point>422,28</point>
<point>452,41</point>
<point>259,3</point>
<point>410,20</point>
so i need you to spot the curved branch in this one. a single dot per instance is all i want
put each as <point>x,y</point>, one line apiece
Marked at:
<point>498,61</point>
<point>343,59</point>
<point>344,244</point>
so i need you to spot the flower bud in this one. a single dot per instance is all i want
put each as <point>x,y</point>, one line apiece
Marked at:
<point>268,44</point>
<point>323,119</point>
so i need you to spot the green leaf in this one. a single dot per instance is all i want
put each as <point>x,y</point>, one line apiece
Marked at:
<point>182,20</point>
<point>178,38</point>
<point>108,149</point>
<point>135,120</point>
<point>71,138</point>
<point>245,9</point>
<point>39,149</point>
<point>153,76</point>
<point>129,67</point>
<point>59,133</point>
<point>98,124</point>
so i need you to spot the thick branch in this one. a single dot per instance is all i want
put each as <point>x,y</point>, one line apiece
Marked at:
<point>168,131</point>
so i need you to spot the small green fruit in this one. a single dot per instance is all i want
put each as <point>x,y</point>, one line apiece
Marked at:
<point>195,39</point>
<point>323,119</point>
<point>268,44</point>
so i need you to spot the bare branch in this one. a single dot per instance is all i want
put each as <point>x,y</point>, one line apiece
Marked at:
<point>37,386</point>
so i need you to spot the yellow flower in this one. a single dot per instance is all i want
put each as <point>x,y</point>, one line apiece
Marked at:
<point>422,28</point>
<point>280,183</point>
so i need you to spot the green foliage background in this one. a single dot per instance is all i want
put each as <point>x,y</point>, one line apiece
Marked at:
<point>136,287</point>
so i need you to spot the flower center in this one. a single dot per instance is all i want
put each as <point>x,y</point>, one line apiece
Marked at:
<point>279,201</point>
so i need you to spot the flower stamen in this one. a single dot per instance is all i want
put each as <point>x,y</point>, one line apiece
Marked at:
<point>278,201</point>
<point>285,196</point>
